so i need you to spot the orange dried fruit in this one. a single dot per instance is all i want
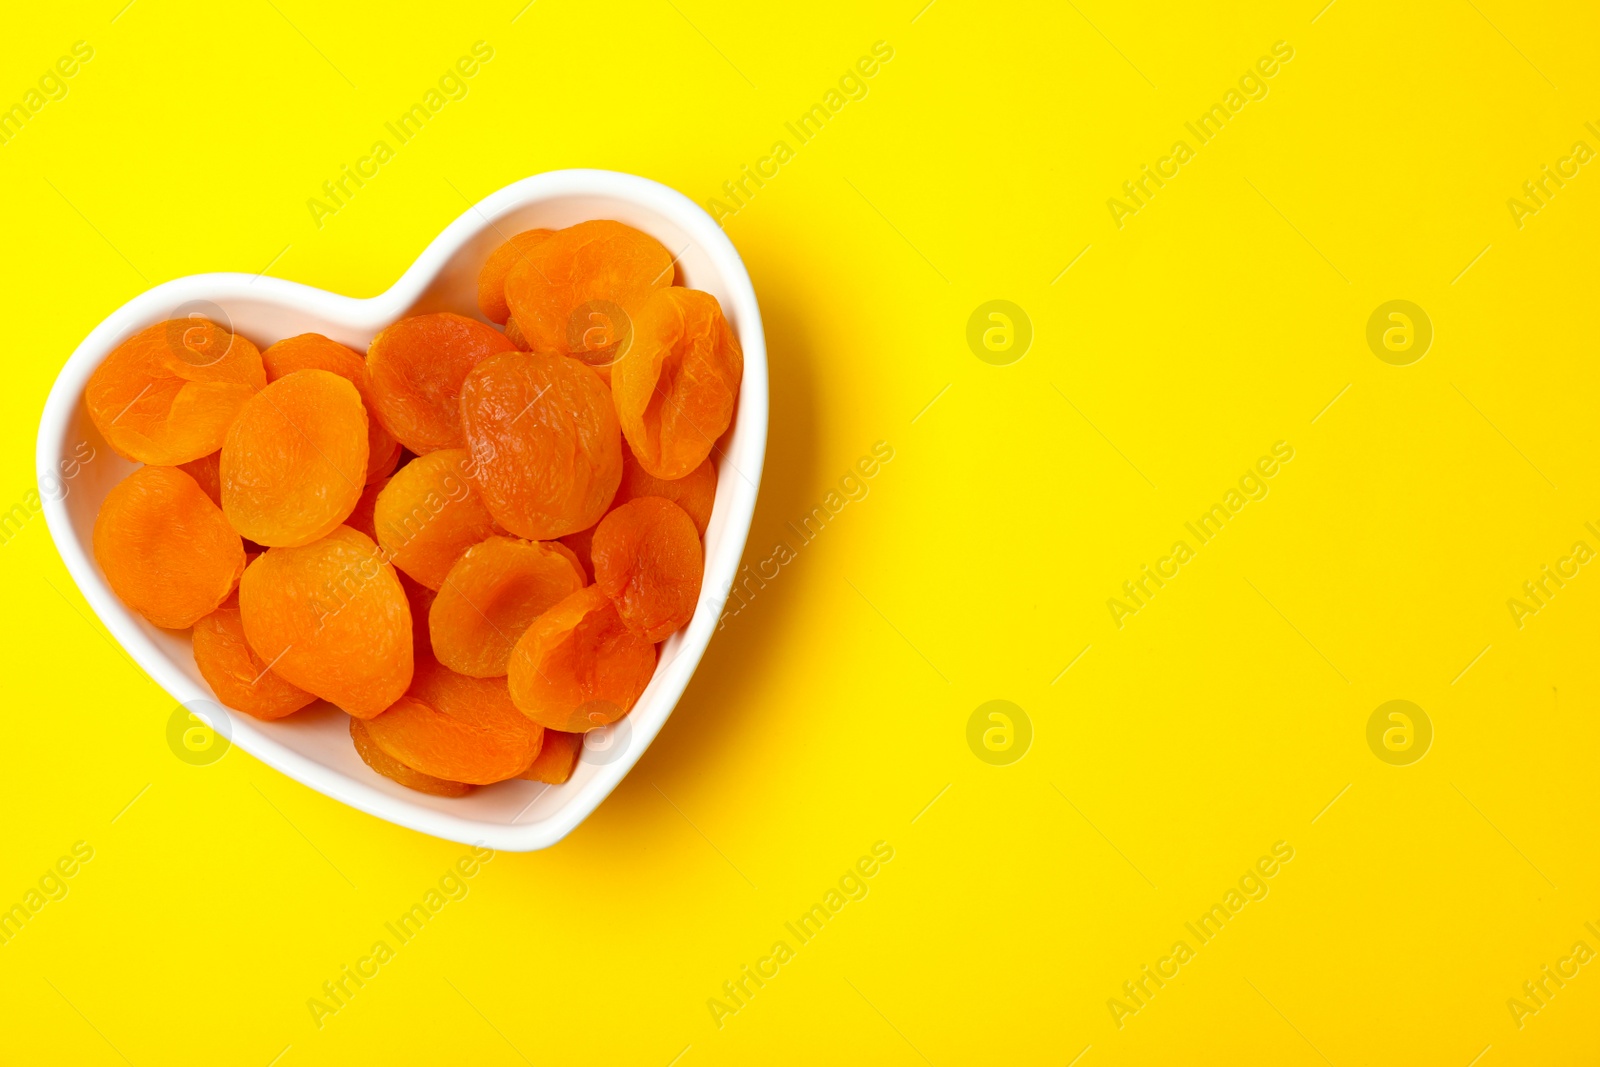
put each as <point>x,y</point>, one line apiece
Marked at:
<point>546,450</point>
<point>695,492</point>
<point>207,474</point>
<point>492,279</point>
<point>420,599</point>
<point>577,564</point>
<point>295,460</point>
<point>581,545</point>
<point>647,559</point>
<point>557,758</point>
<point>312,351</point>
<point>491,595</point>
<point>240,678</point>
<point>574,294</point>
<point>331,618</point>
<point>361,516</point>
<point>578,667</point>
<point>514,335</point>
<point>458,728</point>
<point>416,367</point>
<point>380,467</point>
<point>168,394</point>
<point>677,387</point>
<point>391,768</point>
<point>166,550</point>
<point>428,515</point>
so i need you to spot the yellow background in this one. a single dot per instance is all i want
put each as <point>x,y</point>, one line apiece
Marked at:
<point>1223,717</point>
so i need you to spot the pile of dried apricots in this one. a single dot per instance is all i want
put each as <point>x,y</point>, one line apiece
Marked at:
<point>470,540</point>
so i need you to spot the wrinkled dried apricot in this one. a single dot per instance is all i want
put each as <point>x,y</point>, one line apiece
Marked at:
<point>491,595</point>
<point>514,335</point>
<point>240,678</point>
<point>572,557</point>
<point>207,474</point>
<point>380,467</point>
<point>578,667</point>
<point>546,450</point>
<point>492,279</point>
<point>695,492</point>
<point>166,550</point>
<point>647,559</point>
<point>458,728</point>
<point>416,367</point>
<point>677,387</point>
<point>361,516</point>
<point>331,618</point>
<point>581,545</point>
<point>391,768</point>
<point>312,351</point>
<point>420,599</point>
<point>557,758</point>
<point>428,515</point>
<point>574,294</point>
<point>167,394</point>
<point>295,460</point>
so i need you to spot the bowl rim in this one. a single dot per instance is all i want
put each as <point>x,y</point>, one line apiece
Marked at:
<point>747,455</point>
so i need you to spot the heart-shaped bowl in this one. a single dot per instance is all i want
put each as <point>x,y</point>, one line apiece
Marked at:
<point>313,746</point>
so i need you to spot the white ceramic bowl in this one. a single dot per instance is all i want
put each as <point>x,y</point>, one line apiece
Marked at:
<point>314,746</point>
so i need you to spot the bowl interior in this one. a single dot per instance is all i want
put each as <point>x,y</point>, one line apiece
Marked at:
<point>314,745</point>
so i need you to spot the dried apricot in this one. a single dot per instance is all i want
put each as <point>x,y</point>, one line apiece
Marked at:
<point>577,564</point>
<point>168,394</point>
<point>458,728</point>
<point>239,677</point>
<point>391,768</point>
<point>492,279</point>
<point>494,591</point>
<point>581,545</point>
<point>416,367</point>
<point>295,460</point>
<point>312,351</point>
<point>557,758</point>
<point>695,492</point>
<point>428,515</point>
<point>514,335</point>
<point>647,559</point>
<point>578,667</point>
<point>574,294</point>
<point>207,474</point>
<point>380,467</point>
<point>165,548</point>
<point>676,388</point>
<point>331,618</point>
<point>420,599</point>
<point>361,516</point>
<point>546,450</point>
